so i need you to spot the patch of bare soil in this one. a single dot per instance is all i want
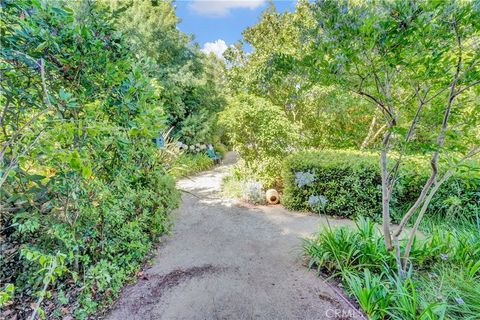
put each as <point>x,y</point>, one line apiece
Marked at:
<point>154,286</point>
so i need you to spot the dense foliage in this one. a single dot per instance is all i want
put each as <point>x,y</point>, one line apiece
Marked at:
<point>295,112</point>
<point>348,184</point>
<point>332,91</point>
<point>406,57</point>
<point>190,83</point>
<point>261,134</point>
<point>447,286</point>
<point>319,112</point>
<point>84,191</point>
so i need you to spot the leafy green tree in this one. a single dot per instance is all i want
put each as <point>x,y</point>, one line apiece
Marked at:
<point>260,133</point>
<point>190,83</point>
<point>192,100</point>
<point>151,27</point>
<point>325,115</point>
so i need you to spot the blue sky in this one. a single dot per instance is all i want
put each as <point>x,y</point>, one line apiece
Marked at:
<point>217,24</point>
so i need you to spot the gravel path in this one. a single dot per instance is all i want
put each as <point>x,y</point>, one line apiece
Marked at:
<point>227,261</point>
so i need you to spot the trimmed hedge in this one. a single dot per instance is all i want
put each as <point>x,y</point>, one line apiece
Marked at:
<point>348,184</point>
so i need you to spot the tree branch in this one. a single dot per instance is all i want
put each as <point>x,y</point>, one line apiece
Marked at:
<point>369,133</point>
<point>379,103</point>
<point>467,87</point>
<point>437,185</point>
<point>440,140</point>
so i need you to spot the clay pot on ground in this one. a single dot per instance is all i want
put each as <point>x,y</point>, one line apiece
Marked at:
<point>272,196</point>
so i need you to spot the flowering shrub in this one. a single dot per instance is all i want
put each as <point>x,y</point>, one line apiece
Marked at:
<point>252,191</point>
<point>194,148</point>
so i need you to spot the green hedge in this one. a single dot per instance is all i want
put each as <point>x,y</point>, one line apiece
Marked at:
<point>348,183</point>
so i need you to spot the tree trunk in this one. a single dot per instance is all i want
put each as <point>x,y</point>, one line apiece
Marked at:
<point>386,194</point>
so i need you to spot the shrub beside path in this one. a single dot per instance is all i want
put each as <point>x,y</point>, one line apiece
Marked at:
<point>227,261</point>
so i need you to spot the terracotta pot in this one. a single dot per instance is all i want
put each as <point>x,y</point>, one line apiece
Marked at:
<point>272,196</point>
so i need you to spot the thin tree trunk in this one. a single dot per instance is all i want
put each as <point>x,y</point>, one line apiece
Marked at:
<point>385,191</point>
<point>440,142</point>
<point>51,269</point>
<point>427,201</point>
<point>419,201</point>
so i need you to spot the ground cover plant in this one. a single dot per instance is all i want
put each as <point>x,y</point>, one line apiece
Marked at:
<point>444,285</point>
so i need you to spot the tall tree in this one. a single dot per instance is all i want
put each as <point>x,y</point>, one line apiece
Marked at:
<point>321,111</point>
<point>189,83</point>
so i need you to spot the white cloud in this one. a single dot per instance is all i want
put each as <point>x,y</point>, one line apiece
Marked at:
<point>222,7</point>
<point>217,47</point>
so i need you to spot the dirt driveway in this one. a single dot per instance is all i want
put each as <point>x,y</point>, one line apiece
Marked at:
<point>225,261</point>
